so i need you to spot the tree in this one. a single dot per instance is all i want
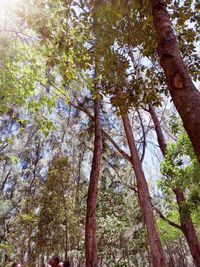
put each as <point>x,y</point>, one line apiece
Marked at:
<point>90,226</point>
<point>179,82</point>
<point>70,38</point>
<point>186,221</point>
<point>157,252</point>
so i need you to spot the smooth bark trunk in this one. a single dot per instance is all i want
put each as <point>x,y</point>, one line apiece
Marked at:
<point>158,256</point>
<point>186,223</point>
<point>90,227</point>
<point>184,94</point>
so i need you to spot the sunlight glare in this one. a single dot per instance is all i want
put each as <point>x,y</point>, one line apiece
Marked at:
<point>6,7</point>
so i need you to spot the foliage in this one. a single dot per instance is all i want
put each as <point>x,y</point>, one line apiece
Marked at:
<point>46,80</point>
<point>181,170</point>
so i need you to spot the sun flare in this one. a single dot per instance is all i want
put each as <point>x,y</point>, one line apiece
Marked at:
<point>6,9</point>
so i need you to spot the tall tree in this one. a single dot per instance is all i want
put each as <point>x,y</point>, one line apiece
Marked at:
<point>90,226</point>
<point>158,256</point>
<point>186,223</point>
<point>184,94</point>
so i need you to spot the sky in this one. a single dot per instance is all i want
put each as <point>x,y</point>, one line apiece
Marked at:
<point>150,163</point>
<point>6,7</point>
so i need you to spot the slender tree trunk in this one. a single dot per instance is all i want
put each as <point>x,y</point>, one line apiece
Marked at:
<point>188,228</point>
<point>42,264</point>
<point>66,240</point>
<point>184,94</point>
<point>186,223</point>
<point>90,228</point>
<point>29,252</point>
<point>160,136</point>
<point>158,257</point>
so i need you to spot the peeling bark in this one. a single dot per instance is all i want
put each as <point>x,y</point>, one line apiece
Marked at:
<point>158,257</point>
<point>184,94</point>
<point>90,227</point>
<point>187,226</point>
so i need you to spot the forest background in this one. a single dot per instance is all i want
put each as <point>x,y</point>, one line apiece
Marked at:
<point>100,132</point>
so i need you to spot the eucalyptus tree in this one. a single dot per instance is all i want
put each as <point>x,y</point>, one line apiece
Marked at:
<point>72,36</point>
<point>179,81</point>
<point>115,82</point>
<point>90,226</point>
<point>186,221</point>
<point>115,160</point>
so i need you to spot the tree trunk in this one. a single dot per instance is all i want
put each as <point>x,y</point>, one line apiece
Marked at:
<point>158,257</point>
<point>90,228</point>
<point>184,94</point>
<point>170,255</point>
<point>66,240</point>
<point>42,264</point>
<point>188,228</point>
<point>160,137</point>
<point>186,223</point>
<point>29,252</point>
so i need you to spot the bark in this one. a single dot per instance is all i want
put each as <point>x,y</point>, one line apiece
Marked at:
<point>66,240</point>
<point>187,226</point>
<point>29,252</point>
<point>42,264</point>
<point>160,137</point>
<point>90,228</point>
<point>184,94</point>
<point>171,258</point>
<point>158,257</point>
